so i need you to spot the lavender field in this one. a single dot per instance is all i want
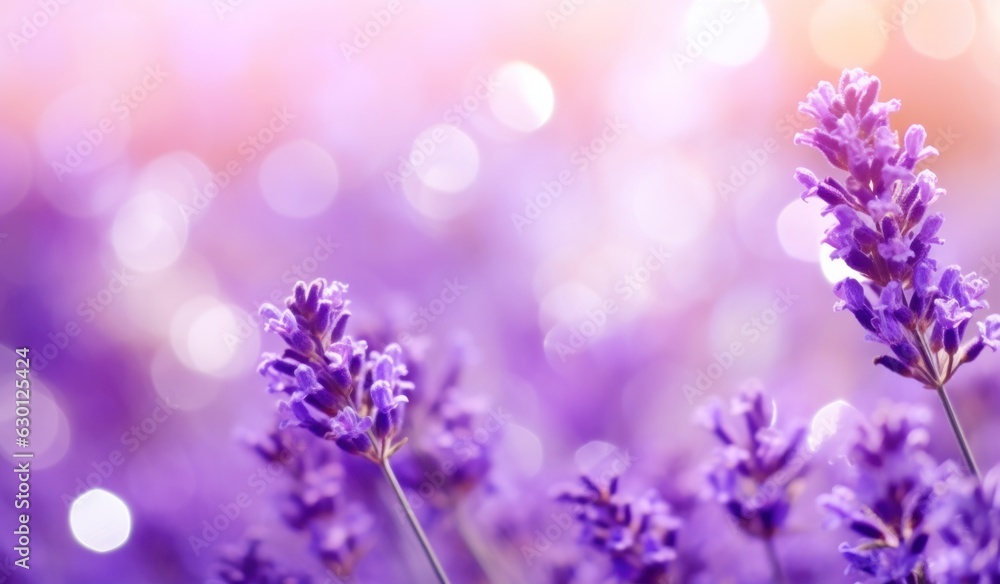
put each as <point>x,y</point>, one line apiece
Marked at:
<point>568,292</point>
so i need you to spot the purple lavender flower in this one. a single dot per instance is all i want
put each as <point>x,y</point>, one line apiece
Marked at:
<point>890,498</point>
<point>339,390</point>
<point>334,386</point>
<point>968,520</point>
<point>313,504</point>
<point>386,391</point>
<point>451,446</point>
<point>638,535</point>
<point>248,567</point>
<point>885,233</point>
<point>755,476</point>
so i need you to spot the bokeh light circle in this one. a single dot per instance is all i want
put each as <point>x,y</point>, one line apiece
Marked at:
<point>80,131</point>
<point>521,450</point>
<point>149,232</point>
<point>523,99</point>
<point>838,38</point>
<point>834,269</point>
<point>444,158</point>
<point>299,179</point>
<point>940,29</point>
<point>801,229</point>
<point>726,32</point>
<point>100,521</point>
<point>214,338</point>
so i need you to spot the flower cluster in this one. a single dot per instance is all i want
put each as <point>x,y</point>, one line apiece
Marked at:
<point>884,232</point>
<point>638,535</point>
<point>968,521</point>
<point>248,567</point>
<point>891,496</point>
<point>755,476</point>
<point>334,386</point>
<point>454,445</point>
<point>338,533</point>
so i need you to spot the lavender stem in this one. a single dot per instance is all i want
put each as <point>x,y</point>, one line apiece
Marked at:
<point>956,427</point>
<point>772,555</point>
<point>424,542</point>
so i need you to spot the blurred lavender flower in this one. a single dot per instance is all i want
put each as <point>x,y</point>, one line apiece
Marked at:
<point>338,533</point>
<point>884,232</point>
<point>756,476</point>
<point>451,447</point>
<point>334,386</point>
<point>890,499</point>
<point>248,567</point>
<point>967,517</point>
<point>637,534</point>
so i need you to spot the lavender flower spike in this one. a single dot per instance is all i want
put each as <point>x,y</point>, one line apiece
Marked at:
<point>885,232</point>
<point>968,518</point>
<point>336,388</point>
<point>757,474</point>
<point>339,390</point>
<point>888,504</point>
<point>248,567</point>
<point>637,535</point>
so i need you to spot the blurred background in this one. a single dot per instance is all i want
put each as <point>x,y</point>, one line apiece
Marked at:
<point>595,197</point>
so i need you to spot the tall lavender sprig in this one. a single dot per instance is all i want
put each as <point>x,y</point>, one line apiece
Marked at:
<point>885,232</point>
<point>338,389</point>
<point>757,473</point>
<point>638,535</point>
<point>890,497</point>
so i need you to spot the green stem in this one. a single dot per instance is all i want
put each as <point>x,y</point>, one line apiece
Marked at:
<point>956,427</point>
<point>424,542</point>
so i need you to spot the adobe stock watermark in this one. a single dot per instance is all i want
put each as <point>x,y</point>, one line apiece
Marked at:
<point>421,319</point>
<point>131,440</point>
<point>88,310</point>
<point>364,34</point>
<point>625,288</point>
<point>304,271</point>
<point>758,156</point>
<point>562,12</point>
<point>581,160</point>
<point>751,331</point>
<point>710,31</point>
<point>492,423</point>
<point>899,15</point>
<point>428,142</point>
<point>561,523</point>
<point>988,267</point>
<point>121,109</point>
<point>459,112</point>
<point>223,8</point>
<point>229,512</point>
<point>247,151</point>
<point>34,23</point>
